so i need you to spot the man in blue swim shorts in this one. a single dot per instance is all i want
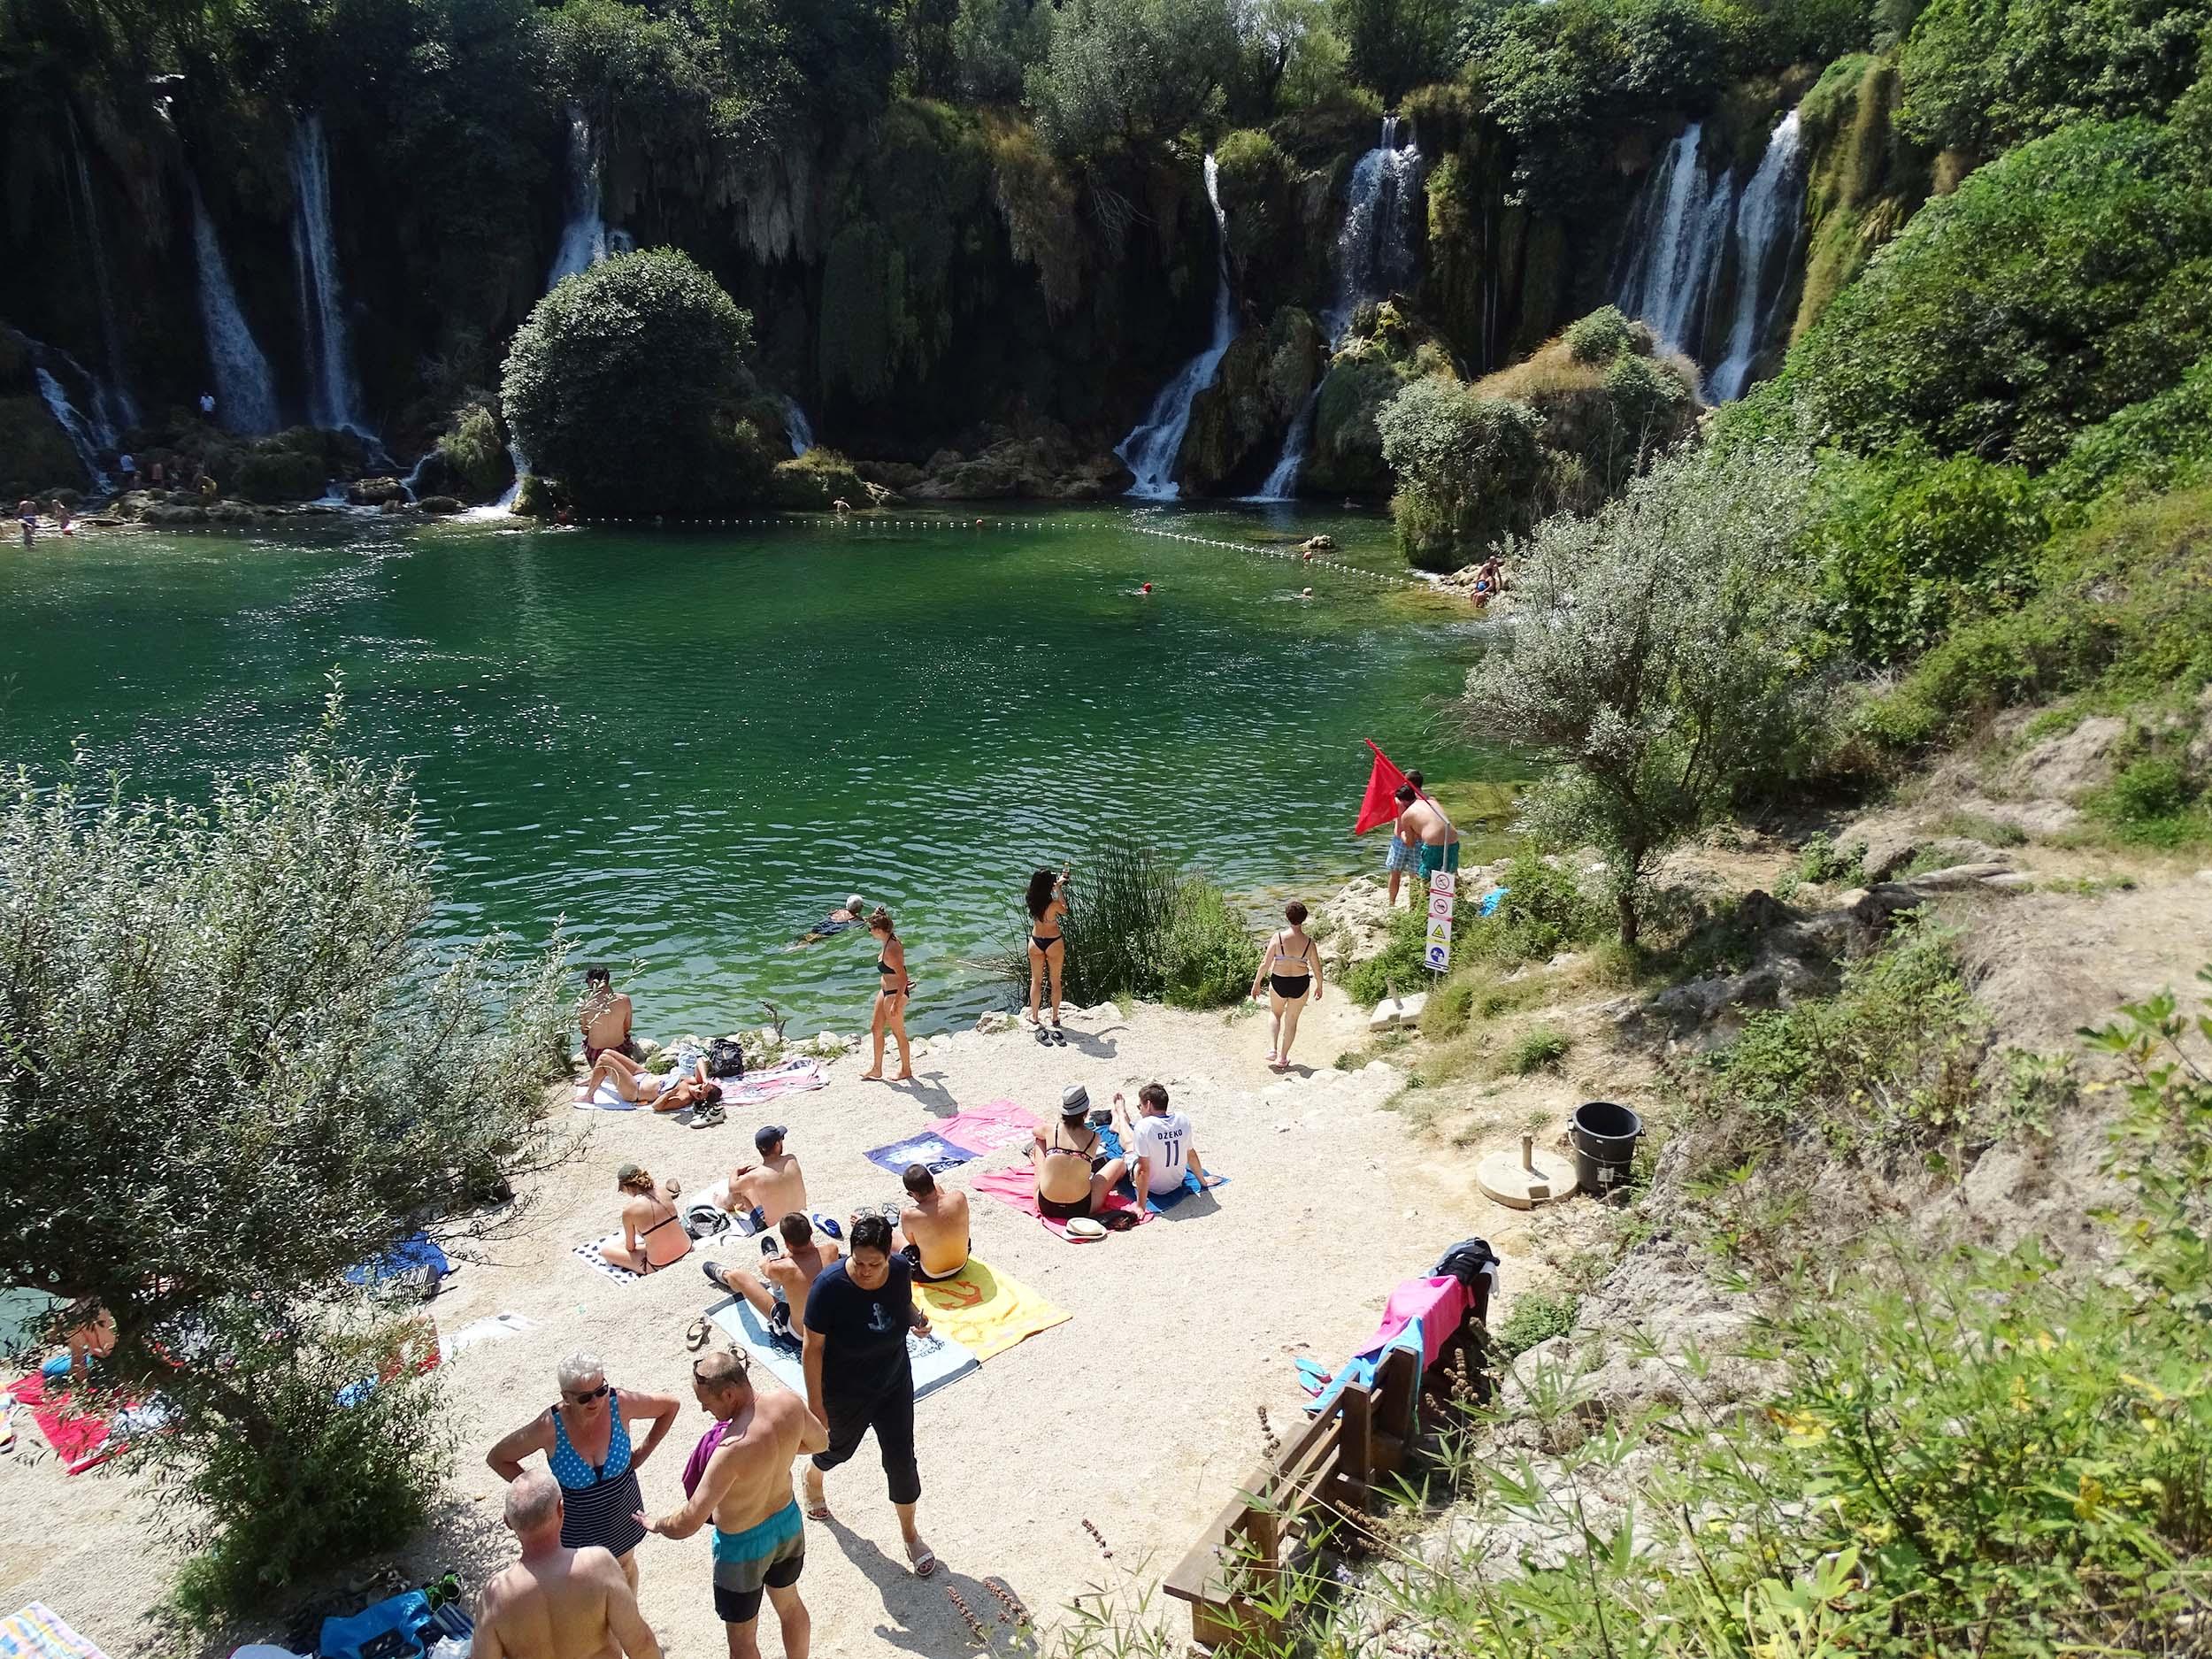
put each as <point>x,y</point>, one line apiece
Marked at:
<point>759,1537</point>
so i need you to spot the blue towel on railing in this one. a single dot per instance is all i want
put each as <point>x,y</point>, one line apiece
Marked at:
<point>1361,1368</point>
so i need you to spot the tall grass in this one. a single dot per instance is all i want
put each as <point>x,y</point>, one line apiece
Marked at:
<point>1139,926</point>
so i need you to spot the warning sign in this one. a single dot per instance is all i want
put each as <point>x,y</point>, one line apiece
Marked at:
<point>1443,885</point>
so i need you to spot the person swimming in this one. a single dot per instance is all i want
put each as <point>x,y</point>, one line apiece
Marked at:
<point>850,914</point>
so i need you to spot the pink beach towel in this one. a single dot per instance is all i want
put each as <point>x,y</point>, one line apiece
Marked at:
<point>1017,1189</point>
<point>1438,1304</point>
<point>987,1128</point>
<point>79,1438</point>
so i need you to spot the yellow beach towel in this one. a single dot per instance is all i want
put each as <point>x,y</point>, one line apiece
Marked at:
<point>984,1310</point>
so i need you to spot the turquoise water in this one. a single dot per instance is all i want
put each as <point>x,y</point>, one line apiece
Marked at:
<point>690,744</point>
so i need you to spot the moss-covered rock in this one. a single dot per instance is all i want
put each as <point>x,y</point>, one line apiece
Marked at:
<point>470,460</point>
<point>1387,348</point>
<point>533,496</point>
<point>1865,177</point>
<point>36,455</point>
<point>1237,423</point>
<point>813,482</point>
<point>276,474</point>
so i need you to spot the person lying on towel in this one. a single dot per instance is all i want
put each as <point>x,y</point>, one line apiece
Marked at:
<point>784,1279</point>
<point>671,1093</point>
<point>1074,1170</point>
<point>766,1192</point>
<point>932,1230</point>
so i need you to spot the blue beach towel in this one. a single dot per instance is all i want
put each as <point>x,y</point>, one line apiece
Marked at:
<point>1109,1143</point>
<point>934,1152</point>
<point>407,1616</point>
<point>408,1256</point>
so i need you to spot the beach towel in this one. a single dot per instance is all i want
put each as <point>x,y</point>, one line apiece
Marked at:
<point>1155,1203</point>
<point>80,1437</point>
<point>1419,1318</point>
<point>936,1358</point>
<point>695,1465</point>
<point>418,1256</point>
<point>987,1128</point>
<point>591,1253</point>
<point>494,1328</point>
<point>37,1632</point>
<point>933,1152</point>
<point>791,1077</point>
<point>605,1100</point>
<point>984,1310</point>
<point>1016,1188</point>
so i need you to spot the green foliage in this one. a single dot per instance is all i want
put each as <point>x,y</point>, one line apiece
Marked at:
<point>1821,860</point>
<point>1138,927</point>
<point>471,448</point>
<point>1907,542</point>
<point>1658,658</point>
<point>1397,45</point>
<point>1983,75</point>
<point>1259,183</point>
<point>1538,1049</point>
<point>1123,70</point>
<point>622,382</point>
<point>1536,1317</point>
<point>2054,287</point>
<point>1467,468</point>
<point>2156,801</point>
<point>1600,337</point>
<point>1401,965</point>
<point>1544,910</point>
<point>994,43</point>
<point>2161,443</point>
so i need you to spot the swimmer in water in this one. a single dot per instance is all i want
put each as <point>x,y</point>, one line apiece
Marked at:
<point>1144,592</point>
<point>1305,593</point>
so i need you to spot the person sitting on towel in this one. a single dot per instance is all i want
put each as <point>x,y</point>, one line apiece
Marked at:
<point>653,1233</point>
<point>669,1093</point>
<point>603,1014</point>
<point>933,1231</point>
<point>1160,1145</point>
<point>784,1279</point>
<point>1074,1170</point>
<point>89,1330</point>
<point>766,1192</point>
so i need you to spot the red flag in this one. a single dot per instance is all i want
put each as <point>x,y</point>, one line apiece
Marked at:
<point>1383,783</point>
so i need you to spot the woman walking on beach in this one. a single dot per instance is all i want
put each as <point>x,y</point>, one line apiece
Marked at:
<point>586,1440</point>
<point>893,989</point>
<point>1047,901</point>
<point>1292,967</point>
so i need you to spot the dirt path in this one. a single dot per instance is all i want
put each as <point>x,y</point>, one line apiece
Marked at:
<point>1139,1414</point>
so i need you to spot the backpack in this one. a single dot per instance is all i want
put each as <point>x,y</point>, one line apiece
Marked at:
<point>1468,1261</point>
<point>724,1059</point>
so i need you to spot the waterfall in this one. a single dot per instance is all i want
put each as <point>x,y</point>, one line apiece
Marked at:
<point>119,410</point>
<point>1676,242</point>
<point>1767,226</point>
<point>334,398</point>
<point>1152,447</point>
<point>584,236</point>
<point>1372,258</point>
<point>798,427</point>
<point>62,382</point>
<point>245,395</point>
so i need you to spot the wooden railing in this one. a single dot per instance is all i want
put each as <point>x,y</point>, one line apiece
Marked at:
<point>1320,1482</point>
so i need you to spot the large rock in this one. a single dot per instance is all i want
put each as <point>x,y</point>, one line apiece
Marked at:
<point>2079,760</point>
<point>1039,466</point>
<point>1345,455</point>
<point>374,491</point>
<point>1238,423</point>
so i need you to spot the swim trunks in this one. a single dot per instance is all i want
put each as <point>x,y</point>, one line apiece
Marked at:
<point>767,1556</point>
<point>1402,856</point>
<point>913,1254</point>
<point>1436,858</point>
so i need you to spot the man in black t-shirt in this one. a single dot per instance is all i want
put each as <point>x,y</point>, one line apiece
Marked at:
<point>858,1375</point>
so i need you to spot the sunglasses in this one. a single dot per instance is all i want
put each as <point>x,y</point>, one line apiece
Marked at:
<point>589,1396</point>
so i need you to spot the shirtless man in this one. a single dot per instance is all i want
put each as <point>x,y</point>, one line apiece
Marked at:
<point>759,1538</point>
<point>1074,1173</point>
<point>766,1192</point>
<point>603,1016</point>
<point>557,1603</point>
<point>1421,823</point>
<point>932,1226</point>
<point>784,1279</point>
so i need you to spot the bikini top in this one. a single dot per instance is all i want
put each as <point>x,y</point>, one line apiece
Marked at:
<point>1304,955</point>
<point>568,1464</point>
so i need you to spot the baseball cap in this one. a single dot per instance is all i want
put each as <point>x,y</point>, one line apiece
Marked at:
<point>767,1136</point>
<point>627,1173</point>
<point>1075,1099</point>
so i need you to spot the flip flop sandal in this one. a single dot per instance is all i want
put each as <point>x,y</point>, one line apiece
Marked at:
<point>1118,1220</point>
<point>696,1336</point>
<point>925,1563</point>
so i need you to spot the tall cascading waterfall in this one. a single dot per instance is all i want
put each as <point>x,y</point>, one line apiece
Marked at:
<point>72,396</point>
<point>1373,256</point>
<point>584,234</point>
<point>118,409</point>
<point>245,393</point>
<point>334,396</point>
<point>1677,236</point>
<point>798,427</point>
<point>1769,221</point>
<point>1152,447</point>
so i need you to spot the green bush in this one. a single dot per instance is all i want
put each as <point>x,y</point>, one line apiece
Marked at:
<point>623,383</point>
<point>1537,1317</point>
<point>1600,337</point>
<point>1544,910</point>
<point>471,448</point>
<point>1540,1049</point>
<point>2055,286</point>
<point>2155,801</point>
<point>1467,469</point>
<point>2162,443</point>
<point>1400,966</point>
<point>1211,957</point>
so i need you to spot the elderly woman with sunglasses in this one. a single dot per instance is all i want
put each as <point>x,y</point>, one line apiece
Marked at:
<point>586,1440</point>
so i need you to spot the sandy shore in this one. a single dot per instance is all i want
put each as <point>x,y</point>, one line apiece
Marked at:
<point>1139,1414</point>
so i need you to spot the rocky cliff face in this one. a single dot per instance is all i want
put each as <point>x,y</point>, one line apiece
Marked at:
<point>1237,423</point>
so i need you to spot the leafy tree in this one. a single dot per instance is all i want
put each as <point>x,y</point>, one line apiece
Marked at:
<point>1467,467</point>
<point>994,43</point>
<point>1276,34</point>
<point>1659,656</point>
<point>622,384</point>
<point>1397,45</point>
<point>2057,284</point>
<point>1983,75</point>
<point>1120,71</point>
<point>234,1068</point>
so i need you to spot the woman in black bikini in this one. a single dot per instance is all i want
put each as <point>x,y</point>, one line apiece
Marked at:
<point>893,989</point>
<point>1048,902</point>
<point>653,1236</point>
<point>1292,967</point>
<point>1074,1173</point>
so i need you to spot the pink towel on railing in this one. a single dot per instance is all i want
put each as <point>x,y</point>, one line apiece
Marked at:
<point>1016,1188</point>
<point>1438,1304</point>
<point>987,1128</point>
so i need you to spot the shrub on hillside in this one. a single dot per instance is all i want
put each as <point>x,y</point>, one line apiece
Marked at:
<point>622,384</point>
<point>2055,286</point>
<point>2162,443</point>
<point>472,453</point>
<point>1598,338</point>
<point>1469,469</point>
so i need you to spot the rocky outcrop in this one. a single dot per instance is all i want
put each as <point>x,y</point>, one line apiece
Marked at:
<point>1043,466</point>
<point>374,491</point>
<point>1237,423</point>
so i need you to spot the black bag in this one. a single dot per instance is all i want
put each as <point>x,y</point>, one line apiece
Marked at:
<point>724,1059</point>
<point>1465,1262</point>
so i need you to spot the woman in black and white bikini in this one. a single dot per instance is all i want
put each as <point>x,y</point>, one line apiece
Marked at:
<point>893,987</point>
<point>1291,968</point>
<point>653,1236</point>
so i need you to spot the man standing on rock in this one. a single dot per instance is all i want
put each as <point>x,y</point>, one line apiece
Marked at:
<point>556,1602</point>
<point>759,1540</point>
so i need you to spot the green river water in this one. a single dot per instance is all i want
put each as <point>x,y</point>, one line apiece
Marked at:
<point>689,744</point>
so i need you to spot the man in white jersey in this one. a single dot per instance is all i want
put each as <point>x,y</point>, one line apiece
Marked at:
<point>1160,1147</point>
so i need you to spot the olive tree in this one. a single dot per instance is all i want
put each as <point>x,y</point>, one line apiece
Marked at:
<point>233,1067</point>
<point>1659,656</point>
